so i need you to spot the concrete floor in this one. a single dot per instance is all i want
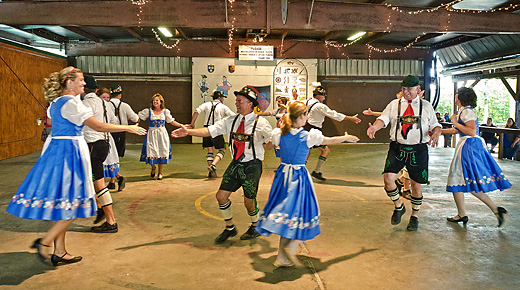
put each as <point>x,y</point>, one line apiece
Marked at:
<point>167,228</point>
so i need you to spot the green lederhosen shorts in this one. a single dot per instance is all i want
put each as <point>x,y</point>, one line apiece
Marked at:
<point>243,174</point>
<point>414,157</point>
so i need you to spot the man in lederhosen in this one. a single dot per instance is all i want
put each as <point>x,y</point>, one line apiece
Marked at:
<point>215,111</point>
<point>123,112</point>
<point>98,147</point>
<point>317,111</point>
<point>411,119</point>
<point>247,133</point>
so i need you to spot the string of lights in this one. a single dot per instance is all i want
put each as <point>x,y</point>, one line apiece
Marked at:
<point>231,31</point>
<point>140,4</point>
<point>164,44</point>
<point>397,48</point>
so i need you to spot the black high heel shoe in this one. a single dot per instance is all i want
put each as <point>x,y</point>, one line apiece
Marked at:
<point>463,219</point>
<point>500,216</point>
<point>37,245</point>
<point>56,260</point>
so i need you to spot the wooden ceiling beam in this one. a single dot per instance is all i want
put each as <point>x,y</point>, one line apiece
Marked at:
<point>220,48</point>
<point>134,33</point>
<point>82,33</point>
<point>327,16</point>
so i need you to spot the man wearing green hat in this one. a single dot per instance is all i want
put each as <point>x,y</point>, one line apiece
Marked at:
<point>123,112</point>
<point>247,133</point>
<point>411,119</point>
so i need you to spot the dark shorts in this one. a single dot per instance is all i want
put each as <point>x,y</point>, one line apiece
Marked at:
<point>98,153</point>
<point>307,127</point>
<point>217,142</point>
<point>413,157</point>
<point>120,140</point>
<point>243,174</point>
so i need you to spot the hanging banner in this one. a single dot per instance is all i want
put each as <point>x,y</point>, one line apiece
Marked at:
<point>255,52</point>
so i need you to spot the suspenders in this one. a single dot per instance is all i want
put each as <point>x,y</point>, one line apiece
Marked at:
<point>419,125</point>
<point>212,114</point>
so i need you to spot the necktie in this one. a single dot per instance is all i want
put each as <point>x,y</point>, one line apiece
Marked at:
<point>407,127</point>
<point>240,146</point>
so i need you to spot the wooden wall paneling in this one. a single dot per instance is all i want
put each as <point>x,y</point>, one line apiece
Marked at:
<point>19,110</point>
<point>138,94</point>
<point>352,98</point>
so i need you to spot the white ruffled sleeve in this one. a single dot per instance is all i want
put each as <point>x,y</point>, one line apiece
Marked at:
<point>74,111</point>
<point>468,115</point>
<point>169,117</point>
<point>275,136</point>
<point>143,114</point>
<point>315,138</point>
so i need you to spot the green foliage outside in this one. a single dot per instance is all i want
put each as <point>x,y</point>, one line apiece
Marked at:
<point>490,92</point>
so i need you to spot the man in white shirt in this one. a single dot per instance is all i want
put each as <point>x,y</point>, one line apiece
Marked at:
<point>411,119</point>
<point>98,148</point>
<point>215,111</point>
<point>247,133</point>
<point>317,111</point>
<point>123,112</point>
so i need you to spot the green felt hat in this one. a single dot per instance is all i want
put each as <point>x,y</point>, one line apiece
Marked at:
<point>410,81</point>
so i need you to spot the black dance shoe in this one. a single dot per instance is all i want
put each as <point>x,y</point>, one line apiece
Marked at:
<point>500,216</point>
<point>398,213</point>
<point>37,245</point>
<point>250,234</point>
<point>226,234</point>
<point>458,219</point>
<point>105,228</point>
<point>407,194</point>
<point>212,171</point>
<point>413,224</point>
<point>121,183</point>
<point>318,175</point>
<point>56,260</point>
<point>111,185</point>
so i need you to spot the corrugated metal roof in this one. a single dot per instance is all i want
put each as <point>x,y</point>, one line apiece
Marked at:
<point>368,67</point>
<point>479,49</point>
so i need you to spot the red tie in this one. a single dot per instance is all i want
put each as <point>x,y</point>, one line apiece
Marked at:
<point>240,146</point>
<point>407,127</point>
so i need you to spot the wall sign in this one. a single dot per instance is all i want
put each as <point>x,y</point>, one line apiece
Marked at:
<point>290,80</point>
<point>255,52</point>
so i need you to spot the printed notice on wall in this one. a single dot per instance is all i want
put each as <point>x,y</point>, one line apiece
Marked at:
<point>255,52</point>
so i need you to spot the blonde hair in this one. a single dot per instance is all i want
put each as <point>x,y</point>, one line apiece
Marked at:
<point>160,97</point>
<point>294,111</point>
<point>53,86</point>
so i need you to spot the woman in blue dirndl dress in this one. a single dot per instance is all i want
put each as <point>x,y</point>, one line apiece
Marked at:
<point>472,169</point>
<point>157,149</point>
<point>59,187</point>
<point>292,209</point>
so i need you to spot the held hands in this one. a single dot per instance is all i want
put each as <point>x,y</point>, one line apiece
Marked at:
<point>350,138</point>
<point>134,129</point>
<point>181,132</point>
<point>355,119</point>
